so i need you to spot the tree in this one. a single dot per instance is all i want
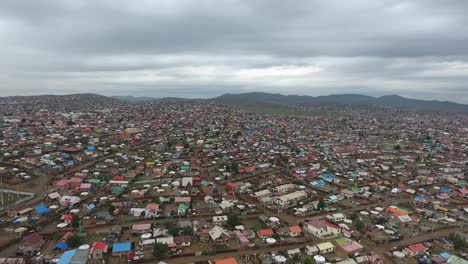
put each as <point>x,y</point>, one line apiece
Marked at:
<point>187,231</point>
<point>321,204</point>
<point>174,231</point>
<point>75,221</point>
<point>233,220</point>
<point>228,167</point>
<point>308,260</point>
<point>359,224</point>
<point>160,250</point>
<point>235,167</point>
<point>74,241</point>
<point>111,209</point>
<point>398,147</point>
<point>458,241</point>
<point>381,221</point>
<point>354,215</point>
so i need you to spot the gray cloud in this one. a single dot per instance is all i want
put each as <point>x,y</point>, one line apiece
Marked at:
<point>205,48</point>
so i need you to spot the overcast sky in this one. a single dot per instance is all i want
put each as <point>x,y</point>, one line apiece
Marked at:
<point>204,48</point>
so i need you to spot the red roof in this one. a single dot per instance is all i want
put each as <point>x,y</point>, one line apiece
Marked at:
<point>67,217</point>
<point>70,149</point>
<point>33,238</point>
<point>119,178</point>
<point>417,247</point>
<point>99,246</point>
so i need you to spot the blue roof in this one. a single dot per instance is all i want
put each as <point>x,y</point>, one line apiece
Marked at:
<point>445,190</point>
<point>66,257</point>
<point>122,247</point>
<point>205,183</point>
<point>62,245</point>
<point>419,198</point>
<point>42,209</point>
<point>445,255</point>
<point>327,176</point>
<point>320,182</point>
<point>91,148</point>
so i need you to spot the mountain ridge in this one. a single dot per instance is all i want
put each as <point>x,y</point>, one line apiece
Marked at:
<point>252,98</point>
<point>394,101</point>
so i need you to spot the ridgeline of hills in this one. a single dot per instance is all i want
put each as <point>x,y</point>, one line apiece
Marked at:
<point>135,99</point>
<point>256,101</point>
<point>390,101</point>
<point>61,103</point>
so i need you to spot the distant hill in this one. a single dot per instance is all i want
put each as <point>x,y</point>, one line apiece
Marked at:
<point>393,101</point>
<point>135,99</point>
<point>63,103</point>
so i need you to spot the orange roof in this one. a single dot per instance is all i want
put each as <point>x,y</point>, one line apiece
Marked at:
<point>265,232</point>
<point>295,229</point>
<point>232,184</point>
<point>230,260</point>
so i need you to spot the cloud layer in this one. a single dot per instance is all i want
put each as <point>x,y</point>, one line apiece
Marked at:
<point>208,47</point>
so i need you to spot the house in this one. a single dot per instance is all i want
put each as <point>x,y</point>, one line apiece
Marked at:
<point>183,241</point>
<point>349,246</point>
<point>322,229</point>
<point>282,231</point>
<point>141,228</point>
<point>294,252</point>
<point>416,249</point>
<point>30,244</point>
<point>264,233</point>
<point>182,209</point>
<point>220,220</point>
<point>284,188</point>
<point>219,236</point>
<point>151,210</point>
<point>325,247</point>
<point>336,217</point>
<point>98,250</point>
<point>182,224</point>
<point>311,250</point>
<point>261,194</point>
<point>165,240</point>
<point>119,249</point>
<point>295,231</point>
<point>62,185</point>
<point>290,198</point>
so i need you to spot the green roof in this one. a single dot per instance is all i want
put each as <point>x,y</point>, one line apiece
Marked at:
<point>117,191</point>
<point>457,260</point>
<point>183,206</point>
<point>342,241</point>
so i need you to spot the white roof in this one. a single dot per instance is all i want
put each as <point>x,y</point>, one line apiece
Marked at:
<point>216,232</point>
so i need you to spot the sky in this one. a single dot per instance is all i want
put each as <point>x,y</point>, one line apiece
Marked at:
<point>205,48</point>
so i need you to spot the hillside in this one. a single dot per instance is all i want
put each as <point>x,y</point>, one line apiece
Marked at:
<point>393,101</point>
<point>134,99</point>
<point>63,103</point>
